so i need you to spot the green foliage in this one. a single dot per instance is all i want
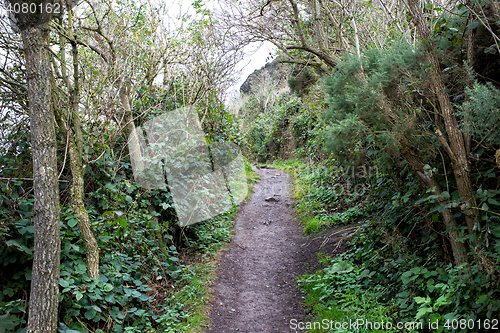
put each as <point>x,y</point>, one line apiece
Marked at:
<point>446,294</point>
<point>322,190</point>
<point>370,105</point>
<point>399,261</point>
<point>301,79</point>
<point>481,113</point>
<point>343,292</point>
<point>143,286</point>
<point>378,104</point>
<point>402,249</point>
<point>256,141</point>
<point>311,224</point>
<point>291,126</point>
<point>262,137</point>
<point>314,187</point>
<point>138,263</point>
<point>374,103</point>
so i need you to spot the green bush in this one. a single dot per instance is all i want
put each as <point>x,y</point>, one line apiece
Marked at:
<point>344,292</point>
<point>481,113</point>
<point>149,280</point>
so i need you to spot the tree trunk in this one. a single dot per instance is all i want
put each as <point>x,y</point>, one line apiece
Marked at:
<point>44,294</point>
<point>78,194</point>
<point>73,132</point>
<point>77,197</point>
<point>318,23</point>
<point>136,157</point>
<point>497,157</point>
<point>356,36</point>
<point>77,171</point>
<point>430,182</point>
<point>456,149</point>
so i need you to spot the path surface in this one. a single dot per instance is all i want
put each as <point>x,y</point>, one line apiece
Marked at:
<point>256,287</point>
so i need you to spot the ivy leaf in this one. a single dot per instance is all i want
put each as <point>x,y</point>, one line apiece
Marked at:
<point>72,222</point>
<point>473,25</point>
<point>64,283</point>
<point>8,322</point>
<point>340,267</point>
<point>422,311</point>
<point>430,285</point>
<point>492,201</point>
<point>110,298</point>
<point>415,270</point>
<point>482,299</point>
<point>442,300</point>
<point>108,287</point>
<point>122,221</point>
<point>18,243</point>
<point>496,232</point>
<point>90,314</point>
<point>405,277</point>
<point>420,300</point>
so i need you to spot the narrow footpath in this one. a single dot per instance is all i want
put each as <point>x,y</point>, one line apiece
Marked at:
<point>255,290</point>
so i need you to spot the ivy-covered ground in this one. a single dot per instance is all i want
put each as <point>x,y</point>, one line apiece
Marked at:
<point>386,273</point>
<point>153,277</point>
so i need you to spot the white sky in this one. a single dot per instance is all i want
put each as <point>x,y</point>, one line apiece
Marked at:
<point>254,60</point>
<point>257,52</point>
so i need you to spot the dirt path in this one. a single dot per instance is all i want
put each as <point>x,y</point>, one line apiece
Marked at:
<point>256,286</point>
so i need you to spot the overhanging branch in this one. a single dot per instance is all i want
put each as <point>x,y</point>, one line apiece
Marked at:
<point>329,61</point>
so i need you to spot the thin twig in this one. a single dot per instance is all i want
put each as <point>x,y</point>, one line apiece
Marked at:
<point>338,244</point>
<point>339,231</point>
<point>1,178</point>
<point>327,238</point>
<point>65,154</point>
